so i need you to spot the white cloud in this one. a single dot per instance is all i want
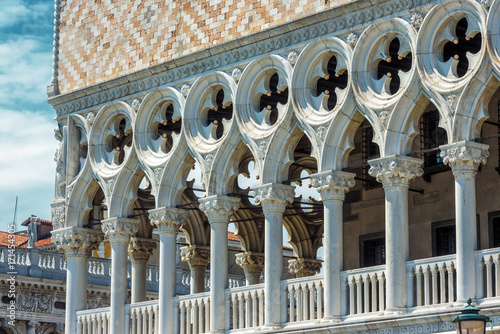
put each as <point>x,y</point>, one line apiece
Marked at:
<point>25,71</point>
<point>26,151</point>
<point>17,11</point>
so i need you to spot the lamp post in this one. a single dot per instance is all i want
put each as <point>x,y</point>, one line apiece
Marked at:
<point>470,321</point>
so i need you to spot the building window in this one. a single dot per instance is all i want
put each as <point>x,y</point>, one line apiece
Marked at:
<point>443,238</point>
<point>431,137</point>
<point>494,228</point>
<point>372,249</point>
<point>370,151</point>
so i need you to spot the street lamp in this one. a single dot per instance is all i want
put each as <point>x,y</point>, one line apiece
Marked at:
<point>470,321</point>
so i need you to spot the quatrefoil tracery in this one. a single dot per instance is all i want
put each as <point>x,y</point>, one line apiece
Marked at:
<point>271,97</point>
<point>330,82</point>
<point>165,127</point>
<point>391,66</point>
<point>458,45</point>
<point>217,112</point>
<point>118,140</point>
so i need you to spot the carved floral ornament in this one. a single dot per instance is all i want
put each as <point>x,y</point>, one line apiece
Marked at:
<point>195,255</point>
<point>120,229</point>
<point>396,170</point>
<point>58,214</point>
<point>304,267</point>
<point>141,248</point>
<point>75,241</point>
<point>219,208</point>
<point>464,156</point>
<point>333,185</point>
<point>273,197</point>
<point>167,220</point>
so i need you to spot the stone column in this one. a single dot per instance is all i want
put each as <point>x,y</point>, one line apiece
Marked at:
<point>464,159</point>
<point>167,221</point>
<point>395,173</point>
<point>218,210</point>
<point>332,187</point>
<point>273,197</point>
<point>119,231</point>
<point>32,326</point>
<point>77,243</point>
<point>139,251</point>
<point>252,264</point>
<point>304,267</point>
<point>197,258</point>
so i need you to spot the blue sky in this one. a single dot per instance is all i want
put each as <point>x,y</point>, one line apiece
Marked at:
<point>27,143</point>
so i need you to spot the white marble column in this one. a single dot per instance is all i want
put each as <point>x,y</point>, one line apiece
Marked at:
<point>167,221</point>
<point>218,210</point>
<point>464,159</point>
<point>197,258</point>
<point>139,251</point>
<point>332,187</point>
<point>77,243</point>
<point>119,231</point>
<point>273,198</point>
<point>252,264</point>
<point>395,173</point>
<point>32,326</point>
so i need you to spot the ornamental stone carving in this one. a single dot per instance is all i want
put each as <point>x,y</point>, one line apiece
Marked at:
<point>119,230</point>
<point>58,214</point>
<point>141,248</point>
<point>219,209</point>
<point>304,267</point>
<point>333,184</point>
<point>167,220</point>
<point>273,196</point>
<point>195,256</point>
<point>396,170</point>
<point>251,262</point>
<point>77,241</point>
<point>464,156</point>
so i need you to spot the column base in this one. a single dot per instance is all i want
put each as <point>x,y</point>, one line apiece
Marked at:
<point>270,327</point>
<point>396,311</point>
<point>331,319</point>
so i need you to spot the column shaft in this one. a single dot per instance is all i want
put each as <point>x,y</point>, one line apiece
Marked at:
<point>76,289</point>
<point>218,274</point>
<point>197,279</point>
<point>333,256</point>
<point>119,286</point>
<point>167,281</point>
<point>273,268</point>
<point>139,280</point>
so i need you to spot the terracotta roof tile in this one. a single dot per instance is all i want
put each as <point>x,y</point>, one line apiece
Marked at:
<point>44,242</point>
<point>20,239</point>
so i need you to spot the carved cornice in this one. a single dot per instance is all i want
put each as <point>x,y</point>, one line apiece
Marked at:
<point>119,230</point>
<point>396,170</point>
<point>195,256</point>
<point>304,267</point>
<point>250,262</point>
<point>333,185</point>
<point>219,209</point>
<point>464,156</point>
<point>273,196</point>
<point>77,241</point>
<point>339,21</point>
<point>140,249</point>
<point>167,220</point>
<point>58,214</point>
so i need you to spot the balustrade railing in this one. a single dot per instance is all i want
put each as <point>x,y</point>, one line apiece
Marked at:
<point>488,273</point>
<point>95,321</point>
<point>303,299</point>
<point>192,313</point>
<point>364,290</point>
<point>245,306</point>
<point>431,281</point>
<point>142,318</point>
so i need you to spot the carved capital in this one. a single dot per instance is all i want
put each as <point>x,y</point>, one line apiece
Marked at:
<point>77,241</point>
<point>304,267</point>
<point>120,230</point>
<point>168,220</point>
<point>396,170</point>
<point>58,214</point>
<point>250,262</point>
<point>219,209</point>
<point>140,249</point>
<point>273,196</point>
<point>464,156</point>
<point>333,185</point>
<point>195,256</point>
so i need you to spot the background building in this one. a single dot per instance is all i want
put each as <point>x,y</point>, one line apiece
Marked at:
<point>390,109</point>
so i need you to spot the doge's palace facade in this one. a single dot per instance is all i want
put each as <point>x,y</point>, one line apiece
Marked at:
<point>335,94</point>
